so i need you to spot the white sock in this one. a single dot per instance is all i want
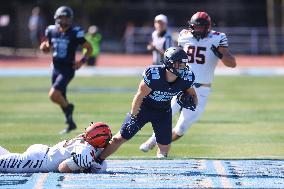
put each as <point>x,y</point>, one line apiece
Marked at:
<point>153,138</point>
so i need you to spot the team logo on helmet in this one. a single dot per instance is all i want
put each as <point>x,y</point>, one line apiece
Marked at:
<point>200,25</point>
<point>174,55</point>
<point>98,134</point>
<point>63,11</point>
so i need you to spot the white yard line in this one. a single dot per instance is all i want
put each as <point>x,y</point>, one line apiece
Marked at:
<point>225,182</point>
<point>40,181</point>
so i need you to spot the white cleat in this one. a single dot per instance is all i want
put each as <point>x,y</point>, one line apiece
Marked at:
<point>161,156</point>
<point>146,146</point>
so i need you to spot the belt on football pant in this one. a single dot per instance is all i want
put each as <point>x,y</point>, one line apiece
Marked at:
<point>197,85</point>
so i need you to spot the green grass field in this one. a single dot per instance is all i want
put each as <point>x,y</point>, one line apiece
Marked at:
<point>243,119</point>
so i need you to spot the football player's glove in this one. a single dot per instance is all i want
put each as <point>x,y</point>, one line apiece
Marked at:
<point>216,52</point>
<point>185,100</point>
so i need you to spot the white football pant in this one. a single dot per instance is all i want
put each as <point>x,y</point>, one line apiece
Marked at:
<point>3,151</point>
<point>188,117</point>
<point>32,160</point>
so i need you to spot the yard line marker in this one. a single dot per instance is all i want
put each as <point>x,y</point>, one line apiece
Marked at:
<point>222,172</point>
<point>40,181</point>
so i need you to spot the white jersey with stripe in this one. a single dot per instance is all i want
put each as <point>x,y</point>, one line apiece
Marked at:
<point>160,42</point>
<point>80,151</point>
<point>41,158</point>
<point>202,60</point>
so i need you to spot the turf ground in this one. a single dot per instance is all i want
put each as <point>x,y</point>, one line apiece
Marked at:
<point>243,119</point>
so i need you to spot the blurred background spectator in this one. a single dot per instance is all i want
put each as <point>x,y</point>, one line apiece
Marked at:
<point>128,37</point>
<point>94,38</point>
<point>161,39</point>
<point>36,27</point>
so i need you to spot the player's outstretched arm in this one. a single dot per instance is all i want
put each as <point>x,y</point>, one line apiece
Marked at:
<point>143,91</point>
<point>228,59</point>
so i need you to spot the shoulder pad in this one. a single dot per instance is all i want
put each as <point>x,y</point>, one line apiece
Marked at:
<point>51,27</point>
<point>77,28</point>
<point>79,31</point>
<point>189,76</point>
<point>150,74</point>
<point>223,40</point>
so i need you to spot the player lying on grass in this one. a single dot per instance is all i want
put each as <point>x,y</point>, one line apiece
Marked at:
<point>68,156</point>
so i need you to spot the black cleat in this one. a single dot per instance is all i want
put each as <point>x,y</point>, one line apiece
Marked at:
<point>71,126</point>
<point>67,130</point>
<point>68,111</point>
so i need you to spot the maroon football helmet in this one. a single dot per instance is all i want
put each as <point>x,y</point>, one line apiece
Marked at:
<point>200,25</point>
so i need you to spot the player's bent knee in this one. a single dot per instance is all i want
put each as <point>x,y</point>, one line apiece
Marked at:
<point>129,128</point>
<point>54,95</point>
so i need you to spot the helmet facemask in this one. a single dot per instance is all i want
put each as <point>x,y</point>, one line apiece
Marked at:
<point>63,21</point>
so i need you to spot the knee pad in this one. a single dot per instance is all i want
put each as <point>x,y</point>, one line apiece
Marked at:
<point>130,127</point>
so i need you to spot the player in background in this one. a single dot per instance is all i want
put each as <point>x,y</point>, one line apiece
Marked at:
<point>63,39</point>
<point>75,155</point>
<point>152,102</point>
<point>161,39</point>
<point>204,48</point>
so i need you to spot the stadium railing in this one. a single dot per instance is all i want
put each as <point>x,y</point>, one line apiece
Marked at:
<point>242,40</point>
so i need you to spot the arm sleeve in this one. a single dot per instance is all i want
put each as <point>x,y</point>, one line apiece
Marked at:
<point>190,78</point>
<point>84,156</point>
<point>150,76</point>
<point>181,38</point>
<point>223,40</point>
<point>80,35</point>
